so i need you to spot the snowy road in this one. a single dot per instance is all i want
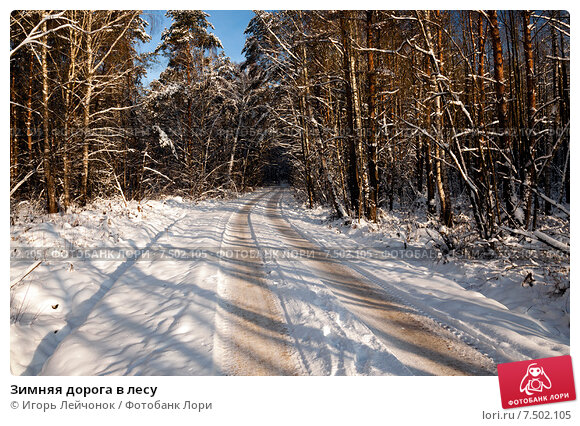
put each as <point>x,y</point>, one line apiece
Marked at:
<point>242,308</point>
<point>423,350</point>
<point>252,338</point>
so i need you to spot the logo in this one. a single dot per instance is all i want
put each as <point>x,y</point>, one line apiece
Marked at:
<point>535,380</point>
<point>539,381</point>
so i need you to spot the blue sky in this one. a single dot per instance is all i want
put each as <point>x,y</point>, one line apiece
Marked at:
<point>229,27</point>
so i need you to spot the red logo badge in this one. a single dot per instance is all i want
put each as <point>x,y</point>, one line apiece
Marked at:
<point>538,381</point>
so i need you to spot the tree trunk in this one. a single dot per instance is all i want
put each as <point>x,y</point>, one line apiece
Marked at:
<point>502,109</point>
<point>305,128</point>
<point>29,110</point>
<point>445,204</point>
<point>360,177</point>
<point>47,149</point>
<point>353,171</point>
<point>372,132</point>
<point>428,155</point>
<point>434,70</point>
<point>565,111</point>
<point>68,107</point>
<point>529,165</point>
<point>13,135</point>
<point>487,174</point>
<point>234,147</point>
<point>87,108</point>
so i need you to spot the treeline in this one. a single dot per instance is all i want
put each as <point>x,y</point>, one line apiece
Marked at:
<point>360,109</point>
<point>83,125</point>
<point>391,107</point>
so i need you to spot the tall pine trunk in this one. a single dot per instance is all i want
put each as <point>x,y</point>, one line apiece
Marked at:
<point>444,199</point>
<point>372,132</point>
<point>502,113</point>
<point>47,147</point>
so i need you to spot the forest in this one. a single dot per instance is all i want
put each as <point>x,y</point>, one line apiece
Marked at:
<point>460,116</point>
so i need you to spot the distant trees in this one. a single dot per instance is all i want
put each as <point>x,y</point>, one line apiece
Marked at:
<point>205,105</point>
<point>185,43</point>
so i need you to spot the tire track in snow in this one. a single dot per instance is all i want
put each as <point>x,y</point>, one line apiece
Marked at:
<point>329,340</point>
<point>251,337</point>
<point>425,350</point>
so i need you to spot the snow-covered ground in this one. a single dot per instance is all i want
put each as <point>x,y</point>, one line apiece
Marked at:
<point>156,314</point>
<point>147,315</point>
<point>482,301</point>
